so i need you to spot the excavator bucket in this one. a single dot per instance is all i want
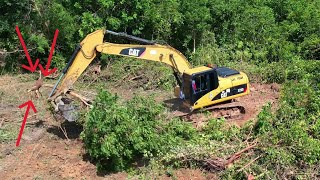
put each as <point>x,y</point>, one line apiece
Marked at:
<point>67,109</point>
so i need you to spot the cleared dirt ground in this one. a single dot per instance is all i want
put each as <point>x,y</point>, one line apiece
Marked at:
<point>46,153</point>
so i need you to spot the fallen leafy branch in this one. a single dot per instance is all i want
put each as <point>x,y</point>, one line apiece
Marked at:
<point>218,164</point>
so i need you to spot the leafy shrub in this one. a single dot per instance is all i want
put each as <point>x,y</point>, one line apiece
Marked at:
<point>264,123</point>
<point>209,52</point>
<point>215,129</point>
<point>274,72</point>
<point>117,135</point>
<point>293,128</point>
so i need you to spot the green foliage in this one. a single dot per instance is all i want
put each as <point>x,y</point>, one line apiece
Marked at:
<point>164,19</point>
<point>117,135</point>
<point>254,24</point>
<point>251,31</point>
<point>274,72</point>
<point>270,40</point>
<point>89,24</point>
<point>263,126</point>
<point>215,129</point>
<point>209,52</point>
<point>37,21</point>
<point>289,136</point>
<point>8,133</point>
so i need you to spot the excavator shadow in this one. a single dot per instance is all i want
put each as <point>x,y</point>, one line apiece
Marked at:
<point>176,104</point>
<point>138,163</point>
<point>68,130</point>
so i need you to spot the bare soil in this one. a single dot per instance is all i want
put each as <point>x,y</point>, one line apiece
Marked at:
<point>46,153</point>
<point>260,95</point>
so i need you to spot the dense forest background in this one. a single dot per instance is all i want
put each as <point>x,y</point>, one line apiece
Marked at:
<point>270,40</point>
<point>237,30</point>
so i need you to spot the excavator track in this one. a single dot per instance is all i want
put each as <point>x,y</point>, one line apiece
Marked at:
<point>232,110</point>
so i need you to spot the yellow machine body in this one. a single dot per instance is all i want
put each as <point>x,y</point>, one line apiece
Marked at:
<point>199,87</point>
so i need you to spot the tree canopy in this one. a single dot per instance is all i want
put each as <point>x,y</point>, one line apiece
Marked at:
<point>255,30</point>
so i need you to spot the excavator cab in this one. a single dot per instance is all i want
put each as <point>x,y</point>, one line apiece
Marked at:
<point>196,84</point>
<point>203,86</point>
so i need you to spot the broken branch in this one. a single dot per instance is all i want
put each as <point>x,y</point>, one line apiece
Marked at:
<point>221,164</point>
<point>85,100</point>
<point>249,163</point>
<point>15,51</point>
<point>136,77</point>
<point>236,155</point>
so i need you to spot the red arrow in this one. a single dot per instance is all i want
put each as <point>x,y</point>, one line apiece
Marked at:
<point>29,104</point>
<point>46,71</point>
<point>31,67</point>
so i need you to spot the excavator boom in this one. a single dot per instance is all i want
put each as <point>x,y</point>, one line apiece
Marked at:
<point>79,61</point>
<point>93,44</point>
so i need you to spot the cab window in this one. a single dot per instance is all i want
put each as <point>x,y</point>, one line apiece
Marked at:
<point>200,83</point>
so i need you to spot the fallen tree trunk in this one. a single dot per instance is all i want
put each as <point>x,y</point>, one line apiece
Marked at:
<point>218,164</point>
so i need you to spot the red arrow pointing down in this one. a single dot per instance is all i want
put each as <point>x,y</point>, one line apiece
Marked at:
<point>32,67</point>
<point>28,104</point>
<point>46,71</point>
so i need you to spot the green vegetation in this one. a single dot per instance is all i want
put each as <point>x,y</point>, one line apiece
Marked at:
<point>120,135</point>
<point>8,133</point>
<point>270,40</point>
<point>246,31</point>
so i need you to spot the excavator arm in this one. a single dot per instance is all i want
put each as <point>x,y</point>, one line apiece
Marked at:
<point>93,44</point>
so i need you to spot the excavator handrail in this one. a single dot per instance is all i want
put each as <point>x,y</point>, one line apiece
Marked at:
<point>125,35</point>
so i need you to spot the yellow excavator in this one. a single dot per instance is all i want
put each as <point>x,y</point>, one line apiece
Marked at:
<point>198,87</point>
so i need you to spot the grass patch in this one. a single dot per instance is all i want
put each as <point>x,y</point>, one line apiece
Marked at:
<point>8,133</point>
